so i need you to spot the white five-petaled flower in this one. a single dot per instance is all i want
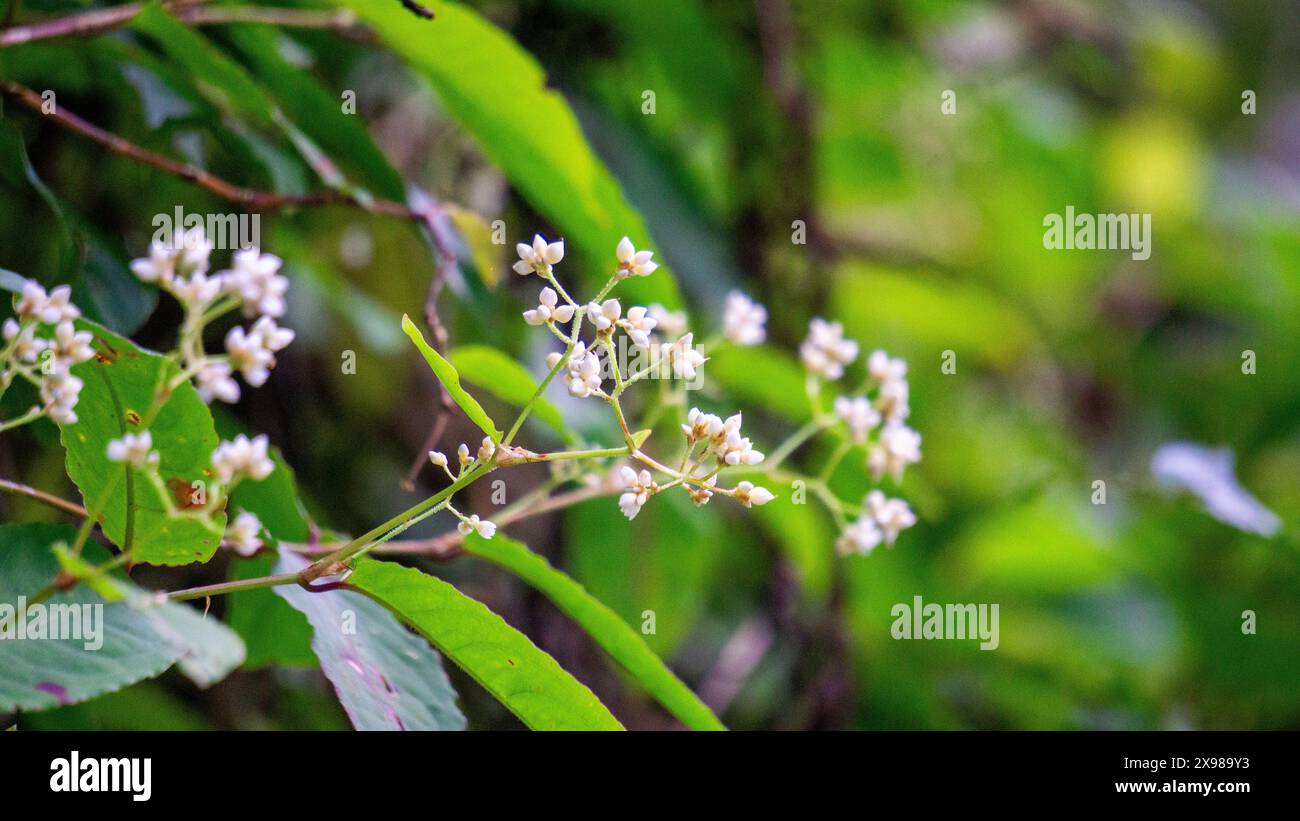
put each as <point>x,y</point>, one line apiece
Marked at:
<point>883,368</point>
<point>744,321</point>
<point>249,354</point>
<point>898,447</point>
<point>891,515</point>
<point>214,381</point>
<point>473,523</point>
<point>637,488</point>
<point>255,280</point>
<point>242,457</point>
<point>632,262</point>
<point>197,291</point>
<point>60,392</point>
<point>669,323</point>
<point>135,449</point>
<point>51,308</point>
<point>547,310</point>
<point>825,352</point>
<point>604,315</point>
<point>159,266</point>
<point>638,325</point>
<point>748,494</point>
<point>538,257</point>
<point>70,346</point>
<point>858,414</point>
<point>684,358</point>
<point>274,338</point>
<point>243,534</point>
<point>27,346</point>
<point>860,537</point>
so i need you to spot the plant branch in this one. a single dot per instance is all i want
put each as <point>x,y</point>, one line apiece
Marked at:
<point>249,198</point>
<point>19,489</point>
<point>97,21</point>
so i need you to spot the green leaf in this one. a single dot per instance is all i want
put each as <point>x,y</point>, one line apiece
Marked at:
<point>450,380</point>
<point>663,562</point>
<point>386,678</point>
<point>120,385</point>
<point>497,91</point>
<point>519,675</point>
<point>318,112</point>
<point>140,637</point>
<point>505,379</point>
<point>602,624</point>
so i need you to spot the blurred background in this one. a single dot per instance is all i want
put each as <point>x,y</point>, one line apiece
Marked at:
<point>923,235</point>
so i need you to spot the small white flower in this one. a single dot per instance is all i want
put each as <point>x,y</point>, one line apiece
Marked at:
<point>274,338</point>
<point>249,355</point>
<point>193,249</point>
<point>738,450</point>
<point>70,346</point>
<point>215,382</point>
<point>748,494</point>
<point>242,457</point>
<point>699,424</point>
<point>27,345</point>
<point>825,352</point>
<point>60,392</point>
<point>898,447</point>
<point>744,320</point>
<point>242,534</point>
<point>670,323</point>
<point>486,449</point>
<point>638,325</point>
<point>547,310</point>
<point>605,314</point>
<point>135,449</point>
<point>196,292</point>
<point>256,282</point>
<point>632,262</point>
<point>858,414</point>
<point>159,266</point>
<point>473,523</point>
<point>882,368</point>
<point>860,537</point>
<point>538,257</point>
<point>438,458</point>
<point>892,400</point>
<point>51,308</point>
<point>684,358</point>
<point>892,515</point>
<point>702,493</point>
<point>583,367</point>
<point>637,488</point>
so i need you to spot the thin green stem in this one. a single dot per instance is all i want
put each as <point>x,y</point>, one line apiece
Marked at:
<point>233,587</point>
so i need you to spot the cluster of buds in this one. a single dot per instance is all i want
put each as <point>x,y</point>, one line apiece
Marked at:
<point>253,284</point>
<point>875,418</point>
<point>583,370</point>
<point>41,345</point>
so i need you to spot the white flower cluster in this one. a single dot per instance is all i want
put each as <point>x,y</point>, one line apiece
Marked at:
<point>876,422</point>
<point>882,519</point>
<point>252,284</point>
<point>41,345</point>
<point>242,458</point>
<point>583,370</point>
